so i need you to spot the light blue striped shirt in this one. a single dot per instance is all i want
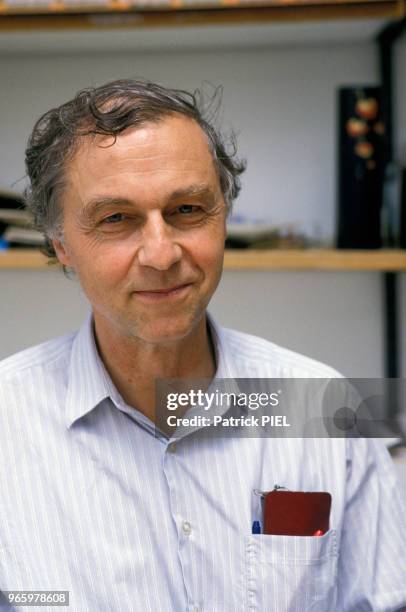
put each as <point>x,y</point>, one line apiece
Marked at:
<point>92,502</point>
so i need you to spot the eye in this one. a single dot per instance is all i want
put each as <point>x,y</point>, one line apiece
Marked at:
<point>186,209</point>
<point>116,218</point>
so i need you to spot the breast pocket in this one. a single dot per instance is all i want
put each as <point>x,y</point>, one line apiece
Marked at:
<point>291,573</point>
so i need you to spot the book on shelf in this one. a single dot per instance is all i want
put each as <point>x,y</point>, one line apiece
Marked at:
<point>22,237</point>
<point>16,222</point>
<point>13,216</point>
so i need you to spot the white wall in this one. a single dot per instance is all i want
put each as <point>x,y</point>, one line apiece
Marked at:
<point>309,312</point>
<point>282,102</point>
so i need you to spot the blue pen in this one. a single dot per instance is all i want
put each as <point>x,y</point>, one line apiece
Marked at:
<point>256,527</point>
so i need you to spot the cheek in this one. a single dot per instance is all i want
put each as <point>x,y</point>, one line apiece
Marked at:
<point>99,277</point>
<point>210,257</point>
<point>106,264</point>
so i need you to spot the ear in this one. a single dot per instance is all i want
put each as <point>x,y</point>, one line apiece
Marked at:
<point>61,252</point>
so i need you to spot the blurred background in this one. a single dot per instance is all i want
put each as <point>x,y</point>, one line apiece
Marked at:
<point>282,67</point>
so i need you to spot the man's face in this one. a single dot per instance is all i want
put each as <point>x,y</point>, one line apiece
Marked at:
<point>144,228</point>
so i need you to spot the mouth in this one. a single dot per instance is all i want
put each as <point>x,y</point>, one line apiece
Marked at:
<point>163,294</point>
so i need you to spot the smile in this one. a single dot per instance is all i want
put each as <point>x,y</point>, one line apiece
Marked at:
<point>157,295</point>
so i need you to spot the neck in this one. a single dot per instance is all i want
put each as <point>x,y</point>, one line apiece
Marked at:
<point>134,365</point>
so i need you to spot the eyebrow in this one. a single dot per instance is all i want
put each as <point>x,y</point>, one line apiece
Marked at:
<point>100,202</point>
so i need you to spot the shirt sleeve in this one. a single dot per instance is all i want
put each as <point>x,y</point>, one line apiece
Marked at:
<point>372,560</point>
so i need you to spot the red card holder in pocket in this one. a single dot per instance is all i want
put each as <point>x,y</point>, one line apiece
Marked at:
<point>296,513</point>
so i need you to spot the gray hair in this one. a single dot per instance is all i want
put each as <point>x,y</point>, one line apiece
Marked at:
<point>109,110</point>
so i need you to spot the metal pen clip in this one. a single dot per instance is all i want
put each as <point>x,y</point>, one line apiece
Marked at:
<point>263,494</point>
<point>260,493</point>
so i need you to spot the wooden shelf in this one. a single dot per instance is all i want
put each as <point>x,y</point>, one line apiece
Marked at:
<point>309,259</point>
<point>25,259</point>
<point>176,13</point>
<point>316,259</point>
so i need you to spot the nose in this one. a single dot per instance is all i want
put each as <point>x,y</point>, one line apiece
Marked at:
<point>158,248</point>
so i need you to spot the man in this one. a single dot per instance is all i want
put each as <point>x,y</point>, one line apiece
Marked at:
<point>131,187</point>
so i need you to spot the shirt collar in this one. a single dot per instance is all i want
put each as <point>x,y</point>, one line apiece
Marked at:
<point>90,384</point>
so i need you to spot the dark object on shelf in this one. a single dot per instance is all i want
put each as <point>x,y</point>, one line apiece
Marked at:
<point>242,235</point>
<point>361,167</point>
<point>391,206</point>
<point>403,211</point>
<point>16,223</point>
<point>386,40</point>
<point>236,243</point>
<point>10,201</point>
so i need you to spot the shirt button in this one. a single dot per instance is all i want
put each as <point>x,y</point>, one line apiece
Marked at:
<point>187,528</point>
<point>172,447</point>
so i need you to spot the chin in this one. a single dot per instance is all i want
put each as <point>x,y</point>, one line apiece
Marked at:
<point>167,330</point>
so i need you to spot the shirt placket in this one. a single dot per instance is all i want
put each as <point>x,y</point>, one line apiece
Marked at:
<point>185,525</point>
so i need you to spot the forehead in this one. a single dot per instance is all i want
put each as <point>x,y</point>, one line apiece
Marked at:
<point>174,144</point>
